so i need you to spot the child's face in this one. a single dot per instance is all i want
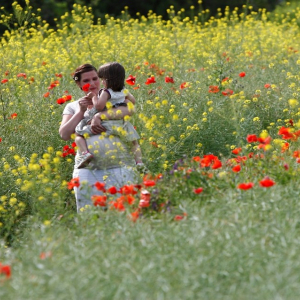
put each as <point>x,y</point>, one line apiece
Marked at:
<point>91,78</point>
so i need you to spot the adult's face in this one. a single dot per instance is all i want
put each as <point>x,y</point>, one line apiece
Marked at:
<point>92,78</point>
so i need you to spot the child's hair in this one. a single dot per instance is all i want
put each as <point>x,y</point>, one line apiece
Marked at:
<point>83,69</point>
<point>114,74</point>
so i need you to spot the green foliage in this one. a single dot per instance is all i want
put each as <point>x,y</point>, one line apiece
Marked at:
<point>222,217</point>
<point>286,12</point>
<point>52,10</point>
<point>232,247</point>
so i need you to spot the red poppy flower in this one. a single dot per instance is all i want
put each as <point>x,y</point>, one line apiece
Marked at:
<point>60,101</point>
<point>4,80</point>
<point>67,97</point>
<point>99,200</point>
<point>285,147</point>
<point>236,150</point>
<point>251,138</point>
<point>117,205</point>
<point>207,160</point>
<point>143,203</point>
<point>236,168</point>
<point>267,182</point>
<point>286,133</point>
<point>73,183</point>
<point>227,92</point>
<point>22,75</point>
<point>217,164</point>
<point>213,89</point>
<point>264,142</point>
<point>296,154</point>
<point>145,195</point>
<point>149,183</point>
<point>198,190</point>
<point>135,215</point>
<point>196,158</point>
<point>128,190</point>
<point>68,151</point>
<point>58,75</point>
<point>242,74</point>
<point>112,190</point>
<point>154,144</point>
<point>53,84</point>
<point>5,270</point>
<point>45,255</point>
<point>245,186</point>
<point>240,158</point>
<point>184,85</point>
<point>145,199</point>
<point>13,116</point>
<point>131,80</point>
<point>86,87</point>
<point>127,199</point>
<point>169,79</point>
<point>150,80</point>
<point>100,186</point>
<point>267,85</point>
<point>178,217</point>
<point>0,140</point>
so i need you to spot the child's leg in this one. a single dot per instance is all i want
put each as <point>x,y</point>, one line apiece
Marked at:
<point>81,144</point>
<point>84,156</point>
<point>136,149</point>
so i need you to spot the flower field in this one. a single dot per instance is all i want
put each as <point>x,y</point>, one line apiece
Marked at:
<point>218,112</point>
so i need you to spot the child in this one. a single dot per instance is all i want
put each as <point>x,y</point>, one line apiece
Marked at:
<point>113,78</point>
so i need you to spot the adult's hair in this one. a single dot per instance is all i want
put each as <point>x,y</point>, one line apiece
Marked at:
<point>114,74</point>
<point>83,69</point>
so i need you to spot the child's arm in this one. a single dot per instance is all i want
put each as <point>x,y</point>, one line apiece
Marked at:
<point>130,98</point>
<point>100,102</point>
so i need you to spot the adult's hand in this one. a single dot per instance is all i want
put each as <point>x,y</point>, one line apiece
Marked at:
<point>96,126</point>
<point>84,102</point>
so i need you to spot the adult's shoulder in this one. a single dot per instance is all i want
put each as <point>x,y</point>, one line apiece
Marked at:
<point>71,108</point>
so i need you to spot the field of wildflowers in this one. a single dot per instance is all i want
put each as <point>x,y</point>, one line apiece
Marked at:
<point>218,113</point>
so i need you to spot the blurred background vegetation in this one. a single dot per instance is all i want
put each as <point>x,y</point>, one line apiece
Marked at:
<point>51,9</point>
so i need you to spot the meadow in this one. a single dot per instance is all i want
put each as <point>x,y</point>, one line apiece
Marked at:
<point>218,113</point>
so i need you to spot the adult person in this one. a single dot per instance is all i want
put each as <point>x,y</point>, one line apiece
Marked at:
<point>113,161</point>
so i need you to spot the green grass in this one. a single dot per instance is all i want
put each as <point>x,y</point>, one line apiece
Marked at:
<point>236,246</point>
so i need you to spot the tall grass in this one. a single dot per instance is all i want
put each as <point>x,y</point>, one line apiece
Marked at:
<point>231,247</point>
<point>219,128</point>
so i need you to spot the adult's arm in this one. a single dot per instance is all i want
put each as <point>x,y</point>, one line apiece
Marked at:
<point>70,120</point>
<point>68,124</point>
<point>111,114</point>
